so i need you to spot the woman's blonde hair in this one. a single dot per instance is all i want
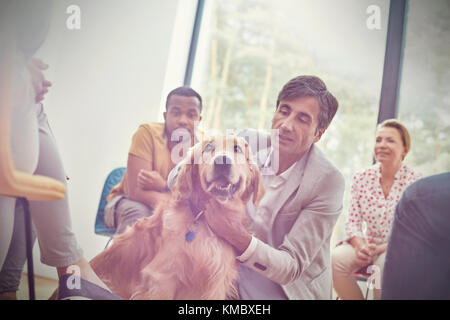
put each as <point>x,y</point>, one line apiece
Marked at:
<point>404,134</point>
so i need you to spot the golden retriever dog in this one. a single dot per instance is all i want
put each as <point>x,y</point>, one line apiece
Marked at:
<point>173,254</point>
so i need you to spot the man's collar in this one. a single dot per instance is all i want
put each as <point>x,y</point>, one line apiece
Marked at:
<point>301,163</point>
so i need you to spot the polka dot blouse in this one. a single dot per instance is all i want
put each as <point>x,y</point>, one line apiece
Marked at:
<point>369,205</point>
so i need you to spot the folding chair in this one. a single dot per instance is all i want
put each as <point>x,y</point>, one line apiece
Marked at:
<point>100,228</point>
<point>362,275</point>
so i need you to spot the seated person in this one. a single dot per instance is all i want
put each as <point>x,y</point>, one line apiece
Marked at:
<point>150,160</point>
<point>418,255</point>
<point>374,195</point>
<point>288,254</point>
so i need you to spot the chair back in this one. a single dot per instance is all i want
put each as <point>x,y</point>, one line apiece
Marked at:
<point>111,181</point>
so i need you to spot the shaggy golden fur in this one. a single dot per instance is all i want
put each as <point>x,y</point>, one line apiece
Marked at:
<point>153,260</point>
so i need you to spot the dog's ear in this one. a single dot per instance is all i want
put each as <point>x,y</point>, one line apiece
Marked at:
<point>183,185</point>
<point>255,186</point>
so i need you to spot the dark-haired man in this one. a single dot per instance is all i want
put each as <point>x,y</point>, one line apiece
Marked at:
<point>287,255</point>
<point>150,159</point>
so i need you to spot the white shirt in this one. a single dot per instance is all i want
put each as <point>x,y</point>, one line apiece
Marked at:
<point>368,203</point>
<point>274,187</point>
<point>252,285</point>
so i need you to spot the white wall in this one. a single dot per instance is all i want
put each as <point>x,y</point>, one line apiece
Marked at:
<point>108,77</point>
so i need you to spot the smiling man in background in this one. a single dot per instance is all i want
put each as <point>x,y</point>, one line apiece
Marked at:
<point>144,186</point>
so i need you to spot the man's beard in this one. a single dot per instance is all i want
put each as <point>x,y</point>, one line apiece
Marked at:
<point>181,135</point>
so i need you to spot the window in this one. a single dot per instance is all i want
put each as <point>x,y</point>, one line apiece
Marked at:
<point>249,49</point>
<point>424,96</point>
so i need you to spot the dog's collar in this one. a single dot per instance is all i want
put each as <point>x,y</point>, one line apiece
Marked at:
<point>190,234</point>
<point>194,209</point>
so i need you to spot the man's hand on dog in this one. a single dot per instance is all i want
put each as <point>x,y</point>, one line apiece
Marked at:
<point>220,220</point>
<point>150,180</point>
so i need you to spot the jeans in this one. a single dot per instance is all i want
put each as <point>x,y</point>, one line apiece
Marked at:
<point>127,212</point>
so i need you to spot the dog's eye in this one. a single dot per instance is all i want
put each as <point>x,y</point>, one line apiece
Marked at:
<point>237,149</point>
<point>209,147</point>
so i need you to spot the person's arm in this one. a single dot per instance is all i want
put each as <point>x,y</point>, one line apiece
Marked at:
<point>364,250</point>
<point>301,244</point>
<point>381,248</point>
<point>229,229</point>
<point>353,225</point>
<point>148,197</point>
<point>151,180</point>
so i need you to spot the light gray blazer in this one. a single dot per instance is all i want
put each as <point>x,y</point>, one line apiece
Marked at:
<point>293,247</point>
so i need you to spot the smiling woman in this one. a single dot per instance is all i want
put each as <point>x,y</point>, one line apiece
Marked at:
<point>374,195</point>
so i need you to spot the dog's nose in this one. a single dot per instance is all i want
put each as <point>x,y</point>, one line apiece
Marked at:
<point>222,163</point>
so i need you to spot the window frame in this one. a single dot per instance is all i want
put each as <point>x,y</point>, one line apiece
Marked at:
<point>393,58</point>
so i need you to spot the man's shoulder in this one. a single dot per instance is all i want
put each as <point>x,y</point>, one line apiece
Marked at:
<point>428,196</point>
<point>429,187</point>
<point>319,165</point>
<point>152,128</point>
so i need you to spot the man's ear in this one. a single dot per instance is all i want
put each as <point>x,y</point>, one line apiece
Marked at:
<point>319,135</point>
<point>165,116</point>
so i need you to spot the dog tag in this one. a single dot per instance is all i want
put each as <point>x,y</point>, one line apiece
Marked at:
<point>190,235</point>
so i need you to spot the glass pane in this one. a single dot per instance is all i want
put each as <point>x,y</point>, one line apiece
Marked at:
<point>424,102</point>
<point>249,49</point>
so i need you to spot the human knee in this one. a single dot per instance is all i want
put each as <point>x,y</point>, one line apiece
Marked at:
<point>342,259</point>
<point>338,258</point>
<point>138,210</point>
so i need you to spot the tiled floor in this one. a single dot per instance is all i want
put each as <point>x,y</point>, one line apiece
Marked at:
<point>44,287</point>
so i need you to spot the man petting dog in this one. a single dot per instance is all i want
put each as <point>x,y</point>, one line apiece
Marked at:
<point>288,254</point>
<point>144,186</point>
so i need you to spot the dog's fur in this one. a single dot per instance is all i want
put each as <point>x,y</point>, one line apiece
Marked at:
<point>153,260</point>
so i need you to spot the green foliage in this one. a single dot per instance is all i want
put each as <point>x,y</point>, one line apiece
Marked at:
<point>258,50</point>
<point>424,94</point>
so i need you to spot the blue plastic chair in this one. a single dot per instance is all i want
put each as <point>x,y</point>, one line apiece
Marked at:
<point>112,180</point>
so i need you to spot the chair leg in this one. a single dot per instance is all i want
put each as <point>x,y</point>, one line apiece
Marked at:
<point>29,244</point>
<point>107,244</point>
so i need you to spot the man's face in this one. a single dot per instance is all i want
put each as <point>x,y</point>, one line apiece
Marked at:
<point>182,113</point>
<point>297,121</point>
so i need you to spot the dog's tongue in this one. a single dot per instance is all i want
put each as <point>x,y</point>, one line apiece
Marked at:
<point>222,182</point>
<point>221,187</point>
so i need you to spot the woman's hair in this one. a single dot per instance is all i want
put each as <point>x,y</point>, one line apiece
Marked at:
<point>404,134</point>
